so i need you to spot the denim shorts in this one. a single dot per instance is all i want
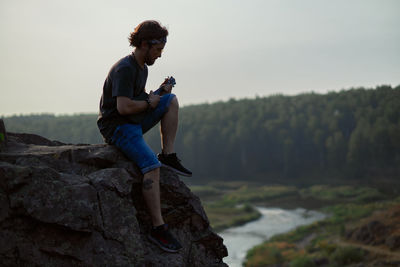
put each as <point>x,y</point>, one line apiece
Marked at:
<point>129,137</point>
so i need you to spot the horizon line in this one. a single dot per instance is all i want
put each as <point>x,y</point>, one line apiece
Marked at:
<point>61,114</point>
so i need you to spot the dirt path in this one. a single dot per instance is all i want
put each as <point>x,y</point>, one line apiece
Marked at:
<point>373,249</point>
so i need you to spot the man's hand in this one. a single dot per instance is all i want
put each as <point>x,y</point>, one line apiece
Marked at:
<point>166,89</point>
<point>153,100</point>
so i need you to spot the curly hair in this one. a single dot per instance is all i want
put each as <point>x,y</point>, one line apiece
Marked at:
<point>145,31</point>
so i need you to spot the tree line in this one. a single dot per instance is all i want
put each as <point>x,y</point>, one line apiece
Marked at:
<point>352,134</point>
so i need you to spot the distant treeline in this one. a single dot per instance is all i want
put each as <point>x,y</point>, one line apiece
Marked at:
<point>351,134</point>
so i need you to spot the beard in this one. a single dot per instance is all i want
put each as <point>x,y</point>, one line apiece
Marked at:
<point>148,60</point>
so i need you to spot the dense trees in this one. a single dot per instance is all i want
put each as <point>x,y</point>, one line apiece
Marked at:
<point>348,134</point>
<point>80,128</point>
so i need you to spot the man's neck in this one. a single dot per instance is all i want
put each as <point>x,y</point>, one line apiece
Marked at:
<point>139,57</point>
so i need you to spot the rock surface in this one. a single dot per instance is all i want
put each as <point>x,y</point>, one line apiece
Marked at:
<point>81,205</point>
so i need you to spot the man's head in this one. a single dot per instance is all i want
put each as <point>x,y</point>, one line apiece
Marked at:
<point>149,37</point>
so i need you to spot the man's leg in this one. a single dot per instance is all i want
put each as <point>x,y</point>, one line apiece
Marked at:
<point>129,139</point>
<point>151,194</point>
<point>169,127</point>
<point>159,233</point>
<point>167,113</point>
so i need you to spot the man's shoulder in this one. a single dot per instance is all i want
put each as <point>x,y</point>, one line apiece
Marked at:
<point>123,68</point>
<point>124,63</point>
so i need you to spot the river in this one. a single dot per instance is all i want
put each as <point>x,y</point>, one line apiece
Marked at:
<point>273,221</point>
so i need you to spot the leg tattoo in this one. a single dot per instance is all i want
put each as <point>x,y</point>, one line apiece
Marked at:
<point>147,184</point>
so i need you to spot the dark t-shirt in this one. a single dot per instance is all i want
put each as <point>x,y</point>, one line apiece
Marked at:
<point>126,78</point>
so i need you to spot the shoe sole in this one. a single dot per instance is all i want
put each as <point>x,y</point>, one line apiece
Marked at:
<point>175,170</point>
<point>154,241</point>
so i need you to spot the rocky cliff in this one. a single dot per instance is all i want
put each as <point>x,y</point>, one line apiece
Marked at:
<point>81,205</point>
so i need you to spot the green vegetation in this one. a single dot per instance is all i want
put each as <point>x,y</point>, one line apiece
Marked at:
<point>351,135</point>
<point>269,254</point>
<point>308,244</point>
<point>228,204</point>
<point>223,215</point>
<point>294,236</point>
<point>206,191</point>
<point>346,255</point>
<point>259,193</point>
<point>223,210</point>
<point>302,262</point>
<point>344,193</point>
<point>80,128</point>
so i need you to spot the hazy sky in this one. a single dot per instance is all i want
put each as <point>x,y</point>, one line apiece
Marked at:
<point>55,54</point>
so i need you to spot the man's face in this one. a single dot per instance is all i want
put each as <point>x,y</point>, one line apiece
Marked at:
<point>153,53</point>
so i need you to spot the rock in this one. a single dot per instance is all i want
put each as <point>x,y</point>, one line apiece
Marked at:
<point>34,139</point>
<point>81,205</point>
<point>3,135</point>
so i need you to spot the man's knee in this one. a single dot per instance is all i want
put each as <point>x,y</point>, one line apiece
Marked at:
<point>174,102</point>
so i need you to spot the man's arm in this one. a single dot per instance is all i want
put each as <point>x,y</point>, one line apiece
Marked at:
<point>127,106</point>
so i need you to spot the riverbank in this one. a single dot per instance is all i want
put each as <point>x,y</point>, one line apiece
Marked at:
<point>348,236</point>
<point>230,203</point>
<point>317,244</point>
<point>226,215</point>
<point>239,240</point>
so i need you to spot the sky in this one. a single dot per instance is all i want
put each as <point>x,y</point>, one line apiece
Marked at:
<point>55,55</point>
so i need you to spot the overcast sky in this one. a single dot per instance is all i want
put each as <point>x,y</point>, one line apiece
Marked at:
<point>56,54</point>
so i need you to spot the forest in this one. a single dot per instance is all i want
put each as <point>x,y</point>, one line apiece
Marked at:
<point>351,136</point>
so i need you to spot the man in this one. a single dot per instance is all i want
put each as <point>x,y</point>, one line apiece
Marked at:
<point>127,112</point>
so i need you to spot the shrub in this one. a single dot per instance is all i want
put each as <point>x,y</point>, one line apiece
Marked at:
<point>326,247</point>
<point>302,262</point>
<point>347,255</point>
<point>267,254</point>
<point>297,234</point>
<point>205,191</point>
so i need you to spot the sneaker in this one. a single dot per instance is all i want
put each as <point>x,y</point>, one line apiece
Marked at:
<point>162,237</point>
<point>171,161</point>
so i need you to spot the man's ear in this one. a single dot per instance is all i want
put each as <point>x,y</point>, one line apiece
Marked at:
<point>144,45</point>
